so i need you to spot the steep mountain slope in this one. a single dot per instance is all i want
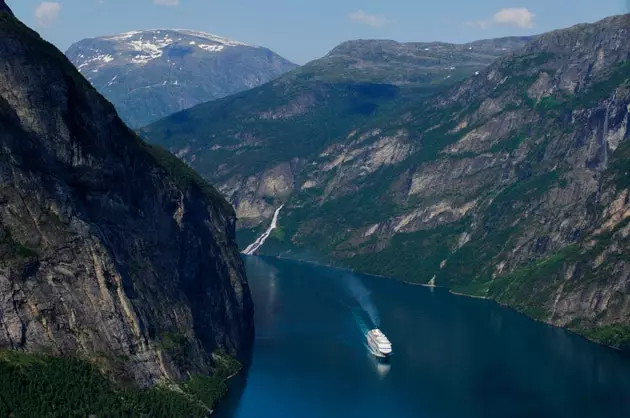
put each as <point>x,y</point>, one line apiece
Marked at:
<point>249,143</point>
<point>150,74</point>
<point>111,250</point>
<point>511,185</point>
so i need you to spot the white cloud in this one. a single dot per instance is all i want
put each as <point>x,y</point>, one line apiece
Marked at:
<point>376,21</point>
<point>167,2</point>
<point>47,12</point>
<point>519,17</point>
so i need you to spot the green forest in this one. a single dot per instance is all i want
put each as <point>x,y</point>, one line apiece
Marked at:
<point>47,386</point>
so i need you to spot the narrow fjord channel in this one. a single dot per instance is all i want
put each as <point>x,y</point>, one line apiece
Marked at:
<point>454,357</point>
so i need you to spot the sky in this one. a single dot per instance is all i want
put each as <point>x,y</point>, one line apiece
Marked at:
<point>304,30</point>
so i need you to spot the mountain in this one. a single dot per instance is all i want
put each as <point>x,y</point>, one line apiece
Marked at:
<point>111,250</point>
<point>412,63</point>
<point>234,140</point>
<point>150,74</point>
<point>510,185</point>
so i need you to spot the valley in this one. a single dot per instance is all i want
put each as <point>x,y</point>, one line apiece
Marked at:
<point>196,226</point>
<point>510,184</point>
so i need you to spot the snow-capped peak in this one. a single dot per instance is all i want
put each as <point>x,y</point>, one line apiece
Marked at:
<point>122,36</point>
<point>141,47</point>
<point>184,32</point>
<point>211,37</point>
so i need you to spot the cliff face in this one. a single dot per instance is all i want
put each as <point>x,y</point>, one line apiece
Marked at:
<point>109,249</point>
<point>510,185</point>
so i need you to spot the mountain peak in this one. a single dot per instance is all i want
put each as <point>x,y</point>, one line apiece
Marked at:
<point>212,37</point>
<point>4,7</point>
<point>149,74</point>
<point>170,36</point>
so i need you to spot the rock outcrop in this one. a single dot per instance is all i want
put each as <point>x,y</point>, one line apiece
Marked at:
<point>110,249</point>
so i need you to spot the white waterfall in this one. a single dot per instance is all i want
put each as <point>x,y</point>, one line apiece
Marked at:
<point>254,246</point>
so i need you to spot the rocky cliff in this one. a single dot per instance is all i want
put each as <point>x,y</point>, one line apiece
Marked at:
<point>110,249</point>
<point>512,184</point>
<point>151,74</point>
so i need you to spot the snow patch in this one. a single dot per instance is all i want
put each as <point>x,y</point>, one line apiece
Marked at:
<point>123,36</point>
<point>371,231</point>
<point>211,48</point>
<point>211,37</point>
<point>148,50</point>
<point>101,57</point>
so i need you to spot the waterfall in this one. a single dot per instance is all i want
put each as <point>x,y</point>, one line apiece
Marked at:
<point>254,246</point>
<point>604,143</point>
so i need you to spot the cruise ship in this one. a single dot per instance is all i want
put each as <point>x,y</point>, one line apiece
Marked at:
<point>378,343</point>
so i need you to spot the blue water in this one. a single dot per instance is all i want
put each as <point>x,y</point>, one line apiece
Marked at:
<point>454,356</point>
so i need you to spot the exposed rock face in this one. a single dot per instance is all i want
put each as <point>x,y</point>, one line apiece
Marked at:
<point>253,196</point>
<point>109,248</point>
<point>148,75</point>
<point>510,185</point>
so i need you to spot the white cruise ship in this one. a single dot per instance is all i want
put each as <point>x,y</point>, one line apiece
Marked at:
<point>378,343</point>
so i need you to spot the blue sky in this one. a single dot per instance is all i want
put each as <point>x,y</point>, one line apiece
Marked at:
<point>301,30</point>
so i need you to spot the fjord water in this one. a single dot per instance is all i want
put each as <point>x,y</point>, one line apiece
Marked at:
<point>454,356</point>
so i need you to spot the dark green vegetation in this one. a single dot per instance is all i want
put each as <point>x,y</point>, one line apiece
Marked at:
<point>186,177</point>
<point>12,250</point>
<point>45,386</point>
<point>617,336</point>
<point>620,168</point>
<point>317,115</point>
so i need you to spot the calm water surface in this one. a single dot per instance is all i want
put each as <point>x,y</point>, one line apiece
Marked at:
<point>454,356</point>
